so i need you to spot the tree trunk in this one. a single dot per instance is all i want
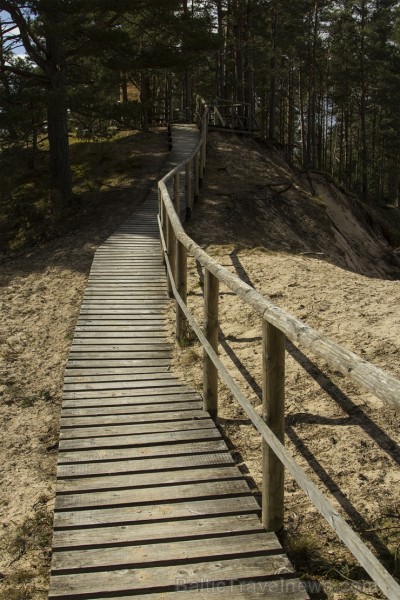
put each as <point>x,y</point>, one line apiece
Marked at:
<point>363,107</point>
<point>272,102</point>
<point>57,119</point>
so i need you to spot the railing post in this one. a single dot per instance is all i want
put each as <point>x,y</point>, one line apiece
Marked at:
<point>161,211</point>
<point>196,177</point>
<point>171,248</point>
<point>181,285</point>
<point>176,194</point>
<point>188,188</point>
<point>202,156</point>
<point>210,373</point>
<point>273,387</point>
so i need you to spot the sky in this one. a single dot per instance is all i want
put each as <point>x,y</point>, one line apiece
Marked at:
<point>19,51</point>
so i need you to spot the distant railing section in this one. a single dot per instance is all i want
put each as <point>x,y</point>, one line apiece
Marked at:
<point>238,116</point>
<point>277,325</point>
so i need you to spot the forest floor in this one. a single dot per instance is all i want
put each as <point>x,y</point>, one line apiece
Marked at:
<point>40,295</point>
<point>300,241</point>
<point>313,250</point>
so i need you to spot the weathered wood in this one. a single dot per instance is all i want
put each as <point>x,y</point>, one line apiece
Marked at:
<point>378,573</point>
<point>273,386</point>
<point>138,465</point>
<point>145,481</point>
<point>378,382</point>
<point>168,577</point>
<point>111,363</point>
<point>130,418</point>
<point>176,193</point>
<point>137,496</point>
<point>133,383</point>
<point>137,389</point>
<point>185,509</point>
<point>181,284</point>
<point>188,189</point>
<point>210,373</point>
<point>272,589</point>
<point>196,176</point>
<point>92,458</point>
<point>138,481</point>
<point>96,381</point>
<point>132,430</point>
<point>140,555</point>
<point>158,531</point>
<point>171,249</point>
<point>116,441</point>
<point>138,409</point>
<point>135,397</point>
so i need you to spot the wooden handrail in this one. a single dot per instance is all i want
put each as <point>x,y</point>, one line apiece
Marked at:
<point>381,384</point>
<point>277,324</point>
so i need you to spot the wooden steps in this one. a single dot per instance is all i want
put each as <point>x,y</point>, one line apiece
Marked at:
<point>149,500</point>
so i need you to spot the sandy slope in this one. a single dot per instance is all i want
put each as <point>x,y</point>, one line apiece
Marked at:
<point>316,259</point>
<point>40,297</point>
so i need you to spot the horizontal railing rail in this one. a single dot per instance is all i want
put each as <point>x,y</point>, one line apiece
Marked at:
<point>277,326</point>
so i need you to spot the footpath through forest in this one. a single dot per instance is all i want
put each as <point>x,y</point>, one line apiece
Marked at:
<point>300,241</point>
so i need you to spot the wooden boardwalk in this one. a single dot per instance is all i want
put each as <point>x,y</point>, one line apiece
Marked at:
<point>149,501</point>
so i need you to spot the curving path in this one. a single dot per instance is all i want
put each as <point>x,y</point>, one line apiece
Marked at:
<point>149,501</point>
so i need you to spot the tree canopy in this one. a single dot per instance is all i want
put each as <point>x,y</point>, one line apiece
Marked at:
<point>321,78</point>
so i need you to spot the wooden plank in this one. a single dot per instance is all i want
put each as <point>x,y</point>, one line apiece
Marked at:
<point>112,355</point>
<point>141,344</point>
<point>127,329</point>
<point>130,384</point>
<point>141,409</point>
<point>167,577</point>
<point>290,589</point>
<point>104,536</point>
<point>119,343</point>
<point>117,311</point>
<point>123,372</point>
<point>145,453</point>
<point>138,465</point>
<point>145,319</point>
<point>271,589</point>
<point>140,390</point>
<point>138,556</point>
<point>85,363</point>
<point>141,396</point>
<point>116,441</point>
<point>150,495</point>
<point>124,419</point>
<point>106,482</point>
<point>132,430</point>
<point>97,379</point>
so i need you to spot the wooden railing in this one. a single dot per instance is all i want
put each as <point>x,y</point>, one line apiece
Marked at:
<point>277,326</point>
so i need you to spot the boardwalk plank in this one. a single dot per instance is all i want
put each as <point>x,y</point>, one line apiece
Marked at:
<point>116,441</point>
<point>195,528</point>
<point>133,418</point>
<point>184,550</point>
<point>150,479</point>
<point>181,449</point>
<point>162,463</point>
<point>167,577</point>
<point>179,512</point>
<point>149,500</point>
<point>107,498</point>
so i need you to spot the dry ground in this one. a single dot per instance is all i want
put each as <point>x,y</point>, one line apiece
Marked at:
<point>315,256</point>
<point>290,244</point>
<point>40,296</point>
